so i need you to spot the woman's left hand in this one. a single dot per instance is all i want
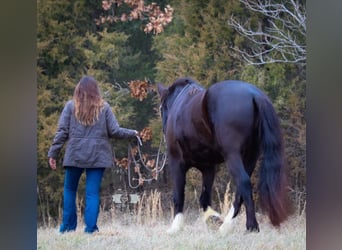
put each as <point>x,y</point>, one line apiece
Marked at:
<point>52,163</point>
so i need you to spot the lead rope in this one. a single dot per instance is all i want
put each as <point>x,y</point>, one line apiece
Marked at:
<point>131,159</point>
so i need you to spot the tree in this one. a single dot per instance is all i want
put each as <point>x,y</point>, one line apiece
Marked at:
<point>199,47</point>
<point>279,37</point>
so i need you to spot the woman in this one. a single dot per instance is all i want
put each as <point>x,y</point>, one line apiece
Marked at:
<point>86,124</point>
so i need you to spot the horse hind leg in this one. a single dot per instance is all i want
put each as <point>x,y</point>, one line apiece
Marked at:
<point>243,194</point>
<point>228,223</point>
<point>250,158</point>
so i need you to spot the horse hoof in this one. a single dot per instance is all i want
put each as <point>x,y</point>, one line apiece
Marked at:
<point>253,229</point>
<point>214,222</point>
<point>212,219</point>
<point>172,231</point>
<point>226,227</point>
<point>177,224</point>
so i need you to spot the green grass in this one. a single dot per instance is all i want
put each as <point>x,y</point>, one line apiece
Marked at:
<point>122,232</point>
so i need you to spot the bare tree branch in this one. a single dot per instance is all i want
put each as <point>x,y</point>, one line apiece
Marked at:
<point>282,40</point>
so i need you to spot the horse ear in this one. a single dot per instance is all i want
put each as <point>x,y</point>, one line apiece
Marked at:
<point>161,89</point>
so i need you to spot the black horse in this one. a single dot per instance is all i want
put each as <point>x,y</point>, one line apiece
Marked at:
<point>232,122</point>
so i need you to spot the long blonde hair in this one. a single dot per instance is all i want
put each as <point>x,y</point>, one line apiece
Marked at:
<point>88,101</point>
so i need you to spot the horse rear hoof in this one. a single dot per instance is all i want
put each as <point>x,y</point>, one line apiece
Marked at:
<point>227,227</point>
<point>214,222</point>
<point>212,219</point>
<point>254,229</point>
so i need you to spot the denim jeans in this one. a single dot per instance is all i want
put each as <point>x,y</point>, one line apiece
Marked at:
<point>92,201</point>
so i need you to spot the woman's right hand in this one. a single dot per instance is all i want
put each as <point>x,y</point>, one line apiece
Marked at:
<point>137,135</point>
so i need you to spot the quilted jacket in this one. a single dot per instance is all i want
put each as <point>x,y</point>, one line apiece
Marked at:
<point>87,146</point>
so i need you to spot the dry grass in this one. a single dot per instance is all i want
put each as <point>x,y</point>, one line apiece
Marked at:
<point>115,235</point>
<point>146,229</point>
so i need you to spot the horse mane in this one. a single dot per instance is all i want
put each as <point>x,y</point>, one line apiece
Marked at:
<point>181,82</point>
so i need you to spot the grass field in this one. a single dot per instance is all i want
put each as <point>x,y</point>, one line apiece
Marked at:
<point>125,232</point>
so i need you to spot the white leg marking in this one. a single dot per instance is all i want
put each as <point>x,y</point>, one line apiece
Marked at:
<point>210,212</point>
<point>227,225</point>
<point>177,224</point>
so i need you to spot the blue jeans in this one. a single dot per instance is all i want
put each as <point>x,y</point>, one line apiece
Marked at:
<point>93,184</point>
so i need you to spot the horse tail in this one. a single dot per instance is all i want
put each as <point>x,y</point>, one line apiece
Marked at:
<point>273,175</point>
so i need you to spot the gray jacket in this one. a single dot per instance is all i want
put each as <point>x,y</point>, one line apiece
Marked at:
<point>87,146</point>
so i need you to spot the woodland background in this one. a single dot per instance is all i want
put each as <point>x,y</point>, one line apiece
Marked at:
<point>202,41</point>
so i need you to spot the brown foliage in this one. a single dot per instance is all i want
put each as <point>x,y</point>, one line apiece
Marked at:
<point>157,19</point>
<point>139,89</point>
<point>123,163</point>
<point>146,134</point>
